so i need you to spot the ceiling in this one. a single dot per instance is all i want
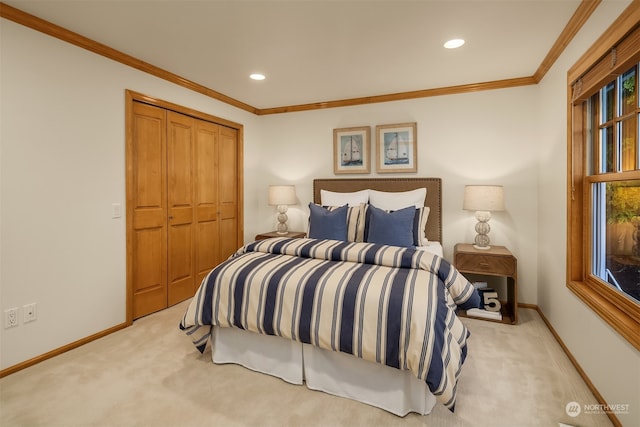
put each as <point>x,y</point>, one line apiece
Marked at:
<point>320,50</point>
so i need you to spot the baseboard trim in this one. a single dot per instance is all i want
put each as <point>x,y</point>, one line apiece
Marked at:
<point>612,417</point>
<point>58,351</point>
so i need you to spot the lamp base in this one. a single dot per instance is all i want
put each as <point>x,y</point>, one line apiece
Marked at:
<point>482,248</point>
<point>482,228</point>
<point>282,220</point>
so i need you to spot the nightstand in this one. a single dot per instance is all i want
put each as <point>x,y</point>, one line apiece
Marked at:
<point>290,234</point>
<point>496,261</point>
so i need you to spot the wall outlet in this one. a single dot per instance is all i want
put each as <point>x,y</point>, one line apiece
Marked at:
<point>29,312</point>
<point>11,317</point>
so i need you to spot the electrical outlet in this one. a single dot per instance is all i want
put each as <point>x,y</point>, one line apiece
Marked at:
<point>11,317</point>
<point>29,312</point>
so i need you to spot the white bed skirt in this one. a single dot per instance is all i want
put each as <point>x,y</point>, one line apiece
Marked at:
<point>395,391</point>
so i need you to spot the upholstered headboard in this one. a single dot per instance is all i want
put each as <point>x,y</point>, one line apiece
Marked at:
<point>433,200</point>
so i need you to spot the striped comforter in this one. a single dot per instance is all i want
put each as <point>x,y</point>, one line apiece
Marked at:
<point>390,305</point>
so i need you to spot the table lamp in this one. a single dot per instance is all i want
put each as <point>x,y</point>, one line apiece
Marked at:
<point>282,196</point>
<point>483,199</point>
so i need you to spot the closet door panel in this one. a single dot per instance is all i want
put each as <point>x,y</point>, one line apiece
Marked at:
<point>228,243</point>
<point>207,238</point>
<point>147,204</point>
<point>149,276</point>
<point>180,262</point>
<point>228,171</point>
<point>228,200</point>
<point>149,166</point>
<point>208,249</point>
<point>180,167</point>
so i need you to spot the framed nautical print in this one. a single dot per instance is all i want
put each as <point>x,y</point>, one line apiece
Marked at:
<point>351,152</point>
<point>397,148</point>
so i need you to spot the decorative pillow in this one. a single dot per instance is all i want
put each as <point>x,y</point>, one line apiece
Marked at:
<point>326,224</point>
<point>419,223</point>
<point>391,228</point>
<point>417,229</point>
<point>392,201</point>
<point>332,198</point>
<point>356,216</point>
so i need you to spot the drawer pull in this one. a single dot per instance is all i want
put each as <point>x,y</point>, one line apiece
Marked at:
<point>484,264</point>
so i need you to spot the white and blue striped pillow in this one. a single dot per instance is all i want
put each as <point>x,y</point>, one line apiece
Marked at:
<point>419,224</point>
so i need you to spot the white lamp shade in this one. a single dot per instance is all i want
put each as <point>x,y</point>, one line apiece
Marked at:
<point>282,195</point>
<point>483,198</point>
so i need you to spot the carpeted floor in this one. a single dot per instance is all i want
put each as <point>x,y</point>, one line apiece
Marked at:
<point>150,375</point>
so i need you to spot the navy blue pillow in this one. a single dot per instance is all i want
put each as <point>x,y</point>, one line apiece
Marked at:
<point>391,228</point>
<point>325,224</point>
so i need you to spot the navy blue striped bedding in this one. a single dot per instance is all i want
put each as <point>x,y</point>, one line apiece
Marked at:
<point>390,305</point>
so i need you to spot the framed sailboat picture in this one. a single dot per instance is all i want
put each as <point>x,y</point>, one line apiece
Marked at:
<point>397,148</point>
<point>351,152</point>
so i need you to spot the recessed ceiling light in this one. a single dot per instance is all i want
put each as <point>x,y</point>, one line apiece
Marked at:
<point>454,43</point>
<point>257,76</point>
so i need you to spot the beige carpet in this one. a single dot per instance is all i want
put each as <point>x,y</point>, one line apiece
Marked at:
<point>151,375</point>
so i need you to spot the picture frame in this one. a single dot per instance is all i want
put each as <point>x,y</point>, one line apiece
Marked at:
<point>397,148</point>
<point>351,150</point>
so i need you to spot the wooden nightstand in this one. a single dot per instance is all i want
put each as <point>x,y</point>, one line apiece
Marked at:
<point>290,234</point>
<point>497,261</point>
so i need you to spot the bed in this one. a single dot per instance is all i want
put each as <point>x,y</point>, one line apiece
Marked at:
<point>344,316</point>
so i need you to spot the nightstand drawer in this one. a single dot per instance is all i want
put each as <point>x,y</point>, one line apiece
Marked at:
<point>486,264</point>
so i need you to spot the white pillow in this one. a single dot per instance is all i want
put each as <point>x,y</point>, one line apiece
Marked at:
<point>393,201</point>
<point>332,198</point>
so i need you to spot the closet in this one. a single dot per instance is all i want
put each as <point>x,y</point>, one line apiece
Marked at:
<point>183,203</point>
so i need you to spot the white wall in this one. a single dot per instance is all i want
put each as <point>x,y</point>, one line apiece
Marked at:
<point>611,363</point>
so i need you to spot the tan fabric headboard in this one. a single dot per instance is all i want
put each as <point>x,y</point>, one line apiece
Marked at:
<point>433,199</point>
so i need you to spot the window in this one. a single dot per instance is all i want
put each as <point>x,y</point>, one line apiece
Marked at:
<point>603,242</point>
<point>612,136</point>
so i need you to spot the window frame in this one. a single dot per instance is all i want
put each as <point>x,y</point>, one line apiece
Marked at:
<point>611,55</point>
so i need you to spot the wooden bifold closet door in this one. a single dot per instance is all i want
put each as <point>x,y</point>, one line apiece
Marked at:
<point>182,194</point>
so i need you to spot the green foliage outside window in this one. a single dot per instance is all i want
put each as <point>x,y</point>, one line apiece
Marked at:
<point>623,201</point>
<point>629,88</point>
